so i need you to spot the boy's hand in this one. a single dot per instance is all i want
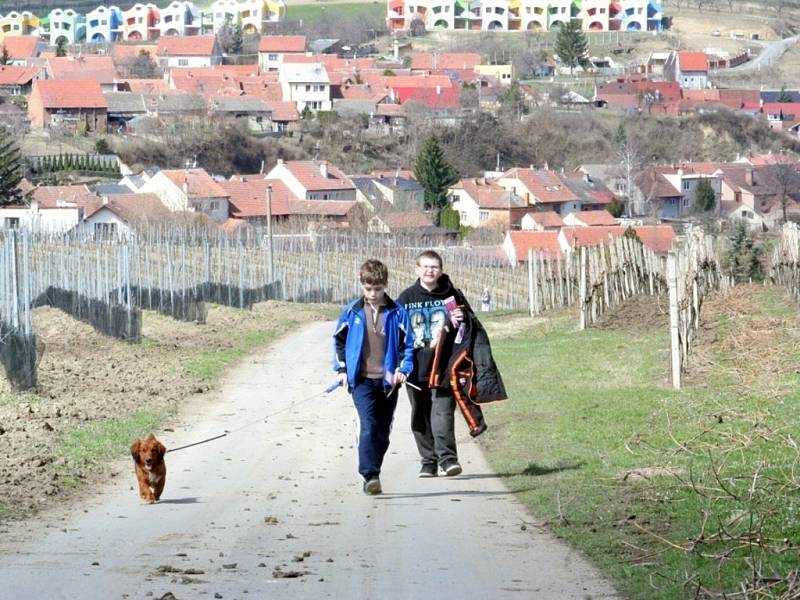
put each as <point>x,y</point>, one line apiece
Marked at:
<point>458,313</point>
<point>399,378</point>
<point>342,379</point>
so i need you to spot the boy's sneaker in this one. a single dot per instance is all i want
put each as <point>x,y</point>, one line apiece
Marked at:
<point>428,470</point>
<point>450,468</point>
<point>372,486</point>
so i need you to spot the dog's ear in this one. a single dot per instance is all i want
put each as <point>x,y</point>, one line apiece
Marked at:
<point>162,450</point>
<point>135,450</point>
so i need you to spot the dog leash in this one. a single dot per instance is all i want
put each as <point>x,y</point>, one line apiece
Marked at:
<point>262,419</point>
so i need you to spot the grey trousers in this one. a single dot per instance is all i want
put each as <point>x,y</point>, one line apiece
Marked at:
<point>433,424</point>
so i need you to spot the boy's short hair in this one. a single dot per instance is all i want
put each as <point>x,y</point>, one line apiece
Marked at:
<point>373,272</point>
<point>431,254</point>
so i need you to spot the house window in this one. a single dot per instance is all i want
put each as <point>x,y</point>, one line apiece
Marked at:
<point>308,88</point>
<point>483,216</point>
<point>12,222</point>
<point>463,216</point>
<point>183,62</point>
<point>686,186</point>
<point>213,205</point>
<point>105,230</point>
<point>747,214</point>
<point>272,57</point>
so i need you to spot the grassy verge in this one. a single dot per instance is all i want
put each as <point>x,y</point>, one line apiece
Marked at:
<point>210,364</point>
<point>315,12</point>
<point>672,493</point>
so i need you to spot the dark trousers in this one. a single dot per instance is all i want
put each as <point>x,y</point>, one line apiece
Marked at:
<point>375,414</point>
<point>433,424</point>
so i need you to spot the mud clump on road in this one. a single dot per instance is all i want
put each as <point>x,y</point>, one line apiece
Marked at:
<point>88,382</point>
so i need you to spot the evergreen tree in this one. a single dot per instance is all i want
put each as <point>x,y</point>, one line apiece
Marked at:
<point>743,258</point>
<point>143,66</point>
<point>449,219</point>
<point>616,207</point>
<point>434,173</point>
<point>10,169</point>
<point>571,44</point>
<point>620,137</point>
<point>784,96</point>
<point>230,37</point>
<point>61,47</point>
<point>704,197</point>
<point>5,56</point>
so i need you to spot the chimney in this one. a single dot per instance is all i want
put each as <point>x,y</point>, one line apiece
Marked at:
<point>105,200</point>
<point>323,169</point>
<point>748,176</point>
<point>438,90</point>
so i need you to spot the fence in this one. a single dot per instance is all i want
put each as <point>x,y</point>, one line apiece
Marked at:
<point>692,271</point>
<point>610,274</point>
<point>785,263</point>
<point>17,341</point>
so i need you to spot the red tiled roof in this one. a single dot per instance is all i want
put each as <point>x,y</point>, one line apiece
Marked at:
<point>390,174</point>
<point>692,61</point>
<point>132,208</point>
<point>49,196</point>
<point>778,158</point>
<point>200,183</point>
<point>20,47</point>
<point>283,111</point>
<point>321,208</point>
<point>186,45</point>
<point>547,218</point>
<point>488,195</point>
<point>309,174</point>
<point>233,224</point>
<point>390,110</point>
<point>405,220</point>
<point>417,81</point>
<point>432,98</point>
<point>658,238</point>
<point>122,53</point>
<point>147,86</point>
<point>248,196</point>
<point>538,241</point>
<point>13,75</point>
<point>654,185</point>
<point>669,91</point>
<point>544,185</point>
<point>425,61</point>
<point>70,94</point>
<point>595,217</point>
<point>590,236</point>
<point>84,68</point>
<point>282,43</point>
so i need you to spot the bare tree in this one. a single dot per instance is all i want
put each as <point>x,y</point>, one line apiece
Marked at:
<point>630,163</point>
<point>788,181</point>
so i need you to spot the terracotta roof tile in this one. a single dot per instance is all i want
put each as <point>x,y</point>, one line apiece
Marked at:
<point>84,68</point>
<point>544,185</point>
<point>593,218</point>
<point>132,208</point>
<point>446,60</point>
<point>186,45</point>
<point>248,196</point>
<point>21,47</point>
<point>282,43</point>
<point>658,238</point>
<point>489,195</point>
<point>70,94</point>
<point>538,241</point>
<point>13,75</point>
<point>200,183</point>
<point>309,174</point>
<point>547,218</point>
<point>51,196</point>
<point>693,61</point>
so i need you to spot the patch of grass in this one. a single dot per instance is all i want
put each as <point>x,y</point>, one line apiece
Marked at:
<point>209,365</point>
<point>642,477</point>
<point>103,440</point>
<point>314,12</point>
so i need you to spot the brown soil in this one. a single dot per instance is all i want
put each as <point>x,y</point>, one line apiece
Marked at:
<point>85,377</point>
<point>638,313</point>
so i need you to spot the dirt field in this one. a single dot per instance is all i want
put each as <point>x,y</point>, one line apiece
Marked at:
<point>86,378</point>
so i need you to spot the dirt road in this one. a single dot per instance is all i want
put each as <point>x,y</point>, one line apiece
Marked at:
<point>275,509</point>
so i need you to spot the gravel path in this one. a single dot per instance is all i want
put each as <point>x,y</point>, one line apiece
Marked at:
<point>274,509</point>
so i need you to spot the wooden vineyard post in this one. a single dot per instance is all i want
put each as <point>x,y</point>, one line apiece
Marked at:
<point>582,288</point>
<point>675,352</point>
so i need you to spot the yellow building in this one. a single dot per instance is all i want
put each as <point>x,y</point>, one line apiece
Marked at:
<point>505,74</point>
<point>18,23</point>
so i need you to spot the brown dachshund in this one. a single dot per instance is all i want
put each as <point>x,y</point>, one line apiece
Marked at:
<point>151,471</point>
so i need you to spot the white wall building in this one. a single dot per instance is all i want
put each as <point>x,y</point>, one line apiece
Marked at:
<point>305,84</point>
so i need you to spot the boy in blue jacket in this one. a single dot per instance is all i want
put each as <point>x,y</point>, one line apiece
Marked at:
<point>373,350</point>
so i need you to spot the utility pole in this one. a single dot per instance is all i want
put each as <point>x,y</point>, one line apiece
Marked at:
<point>271,271</point>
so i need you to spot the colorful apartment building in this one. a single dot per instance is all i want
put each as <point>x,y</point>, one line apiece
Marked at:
<point>63,26</point>
<point>250,15</point>
<point>525,15</point>
<point>104,24</point>
<point>18,23</point>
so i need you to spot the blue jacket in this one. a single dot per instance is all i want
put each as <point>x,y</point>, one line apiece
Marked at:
<point>348,341</point>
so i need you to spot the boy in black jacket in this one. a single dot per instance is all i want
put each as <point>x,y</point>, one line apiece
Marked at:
<point>432,408</point>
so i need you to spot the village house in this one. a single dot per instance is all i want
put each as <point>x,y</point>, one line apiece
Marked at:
<point>305,84</point>
<point>483,203</point>
<point>272,50</point>
<point>517,245</point>
<point>590,218</point>
<point>99,69</point>
<point>189,189</point>
<point>689,69</point>
<point>542,189</point>
<point>118,216</point>
<point>415,224</point>
<point>18,80</point>
<point>188,51</point>
<point>313,180</point>
<point>70,106</point>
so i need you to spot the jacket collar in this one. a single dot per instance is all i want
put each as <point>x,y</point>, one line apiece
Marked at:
<point>359,304</point>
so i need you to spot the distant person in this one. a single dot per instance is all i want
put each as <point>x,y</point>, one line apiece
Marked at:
<point>486,299</point>
<point>373,350</point>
